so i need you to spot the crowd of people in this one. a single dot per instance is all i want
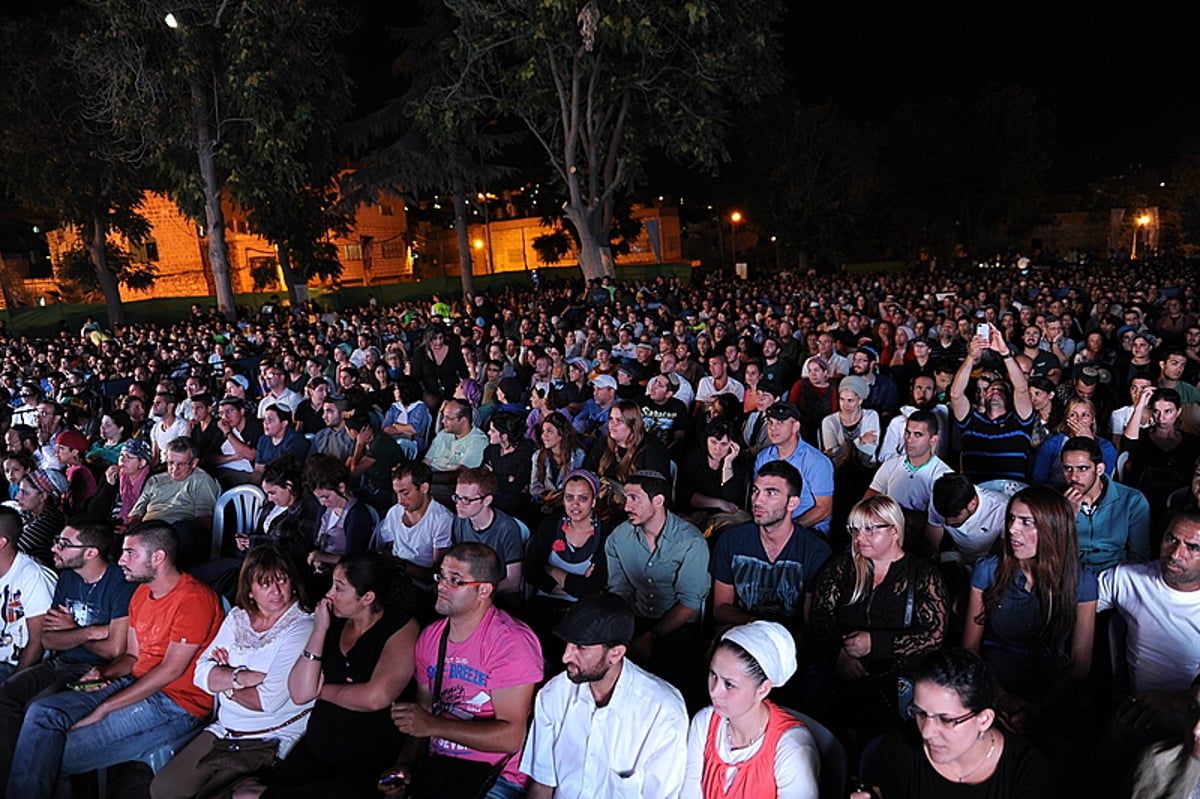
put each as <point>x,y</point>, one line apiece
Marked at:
<point>623,539</point>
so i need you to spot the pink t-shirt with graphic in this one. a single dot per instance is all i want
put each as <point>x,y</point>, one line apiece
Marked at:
<point>501,653</point>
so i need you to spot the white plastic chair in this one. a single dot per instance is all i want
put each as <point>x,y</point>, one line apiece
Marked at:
<point>1122,462</point>
<point>246,502</point>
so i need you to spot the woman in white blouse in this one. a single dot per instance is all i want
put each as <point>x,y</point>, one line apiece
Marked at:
<point>246,667</point>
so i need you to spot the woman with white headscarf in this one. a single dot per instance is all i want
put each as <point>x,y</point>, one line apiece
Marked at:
<point>744,746</point>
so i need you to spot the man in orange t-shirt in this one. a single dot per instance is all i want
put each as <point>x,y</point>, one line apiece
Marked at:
<point>139,701</point>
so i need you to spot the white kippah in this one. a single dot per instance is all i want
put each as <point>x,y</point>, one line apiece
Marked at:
<point>770,644</point>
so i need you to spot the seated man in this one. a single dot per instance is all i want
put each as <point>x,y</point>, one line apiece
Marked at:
<point>973,517</point>
<point>26,591</point>
<point>1160,603</point>
<point>478,521</point>
<point>184,497</point>
<point>146,696</point>
<point>995,434</point>
<point>333,438</point>
<point>476,671</point>
<point>1113,520</point>
<point>604,727</point>
<point>417,529</point>
<point>86,624</point>
<point>766,569</point>
<point>816,471</point>
<point>458,446</point>
<point>233,462</point>
<point>371,462</point>
<point>659,564</point>
<point>909,480</point>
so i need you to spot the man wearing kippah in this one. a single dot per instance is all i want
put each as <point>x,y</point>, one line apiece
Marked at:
<point>605,725</point>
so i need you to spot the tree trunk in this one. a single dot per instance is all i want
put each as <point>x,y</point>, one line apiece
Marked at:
<point>595,257</point>
<point>214,216</point>
<point>108,281</point>
<point>464,241</point>
<point>297,287</point>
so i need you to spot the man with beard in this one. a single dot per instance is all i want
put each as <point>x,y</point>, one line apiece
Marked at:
<point>995,436</point>
<point>476,670</point>
<point>605,724</point>
<point>86,624</point>
<point>140,700</point>
<point>883,397</point>
<point>1113,520</point>
<point>923,398</point>
<point>664,416</point>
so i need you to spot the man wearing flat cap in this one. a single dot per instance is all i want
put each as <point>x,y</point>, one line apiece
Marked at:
<point>816,496</point>
<point>605,726</point>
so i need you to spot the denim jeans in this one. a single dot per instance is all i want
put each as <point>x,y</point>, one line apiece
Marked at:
<point>49,747</point>
<point>18,692</point>
<point>503,789</point>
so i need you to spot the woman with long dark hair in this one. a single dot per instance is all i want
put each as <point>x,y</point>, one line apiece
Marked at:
<point>1032,608</point>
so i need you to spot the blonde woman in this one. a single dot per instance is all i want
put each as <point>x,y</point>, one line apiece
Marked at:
<point>876,609</point>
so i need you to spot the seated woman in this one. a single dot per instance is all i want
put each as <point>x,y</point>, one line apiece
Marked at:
<point>408,419</point>
<point>565,560</point>
<point>743,745</point>
<point>115,429</point>
<point>559,455</point>
<point>42,520</point>
<point>357,661</point>
<point>118,492</point>
<point>509,456</point>
<point>1160,458</point>
<point>625,450</point>
<point>346,524</point>
<point>851,438</point>
<point>717,475</point>
<point>291,517</point>
<point>1079,420</point>
<point>957,749</point>
<point>876,610</point>
<point>248,664</point>
<point>815,395</point>
<point>1032,608</point>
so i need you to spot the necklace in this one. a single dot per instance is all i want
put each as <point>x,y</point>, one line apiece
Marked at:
<point>729,734</point>
<point>979,765</point>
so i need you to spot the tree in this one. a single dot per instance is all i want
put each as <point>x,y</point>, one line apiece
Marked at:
<point>77,266</point>
<point>218,95</point>
<point>600,84</point>
<point>58,160</point>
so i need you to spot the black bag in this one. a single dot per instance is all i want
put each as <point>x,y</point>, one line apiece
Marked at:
<point>246,754</point>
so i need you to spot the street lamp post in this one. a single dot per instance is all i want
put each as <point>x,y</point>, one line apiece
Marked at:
<point>734,218</point>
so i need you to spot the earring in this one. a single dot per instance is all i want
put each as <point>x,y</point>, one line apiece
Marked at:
<point>980,736</point>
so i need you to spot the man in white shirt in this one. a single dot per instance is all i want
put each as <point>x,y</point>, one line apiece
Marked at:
<point>604,727</point>
<point>1160,603</point>
<point>909,480</point>
<point>717,382</point>
<point>417,529</point>
<point>972,516</point>
<point>278,392</point>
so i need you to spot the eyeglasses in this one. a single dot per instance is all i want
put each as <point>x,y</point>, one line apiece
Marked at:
<point>456,582</point>
<point>66,543</point>
<point>921,717</point>
<point>461,500</point>
<point>870,529</point>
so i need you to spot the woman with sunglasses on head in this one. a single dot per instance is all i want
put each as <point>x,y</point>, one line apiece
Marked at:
<point>247,664</point>
<point>356,662</point>
<point>876,610</point>
<point>1032,608</point>
<point>956,750</point>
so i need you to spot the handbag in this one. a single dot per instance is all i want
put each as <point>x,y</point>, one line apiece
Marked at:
<point>246,755</point>
<point>442,777</point>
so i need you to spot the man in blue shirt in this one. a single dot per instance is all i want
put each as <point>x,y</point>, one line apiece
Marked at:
<point>816,496</point>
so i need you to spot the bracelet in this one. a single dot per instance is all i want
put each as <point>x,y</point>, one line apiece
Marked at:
<point>310,656</point>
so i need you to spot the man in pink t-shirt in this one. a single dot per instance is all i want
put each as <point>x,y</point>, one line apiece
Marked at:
<point>491,666</point>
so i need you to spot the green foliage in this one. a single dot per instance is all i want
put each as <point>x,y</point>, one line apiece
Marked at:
<point>75,266</point>
<point>265,274</point>
<point>601,85</point>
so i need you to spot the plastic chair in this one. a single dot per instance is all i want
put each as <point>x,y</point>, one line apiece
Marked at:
<point>246,501</point>
<point>833,755</point>
<point>1122,462</point>
<point>155,758</point>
